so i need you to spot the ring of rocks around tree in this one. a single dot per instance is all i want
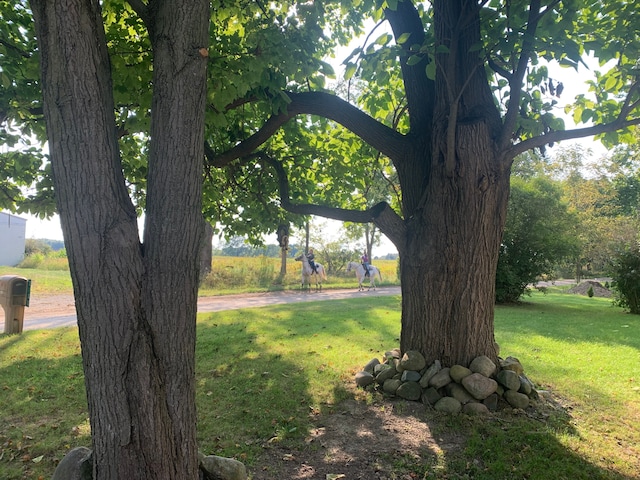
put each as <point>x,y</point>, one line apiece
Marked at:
<point>480,388</point>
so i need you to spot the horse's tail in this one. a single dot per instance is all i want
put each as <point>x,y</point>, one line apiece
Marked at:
<point>324,274</point>
<point>379,274</point>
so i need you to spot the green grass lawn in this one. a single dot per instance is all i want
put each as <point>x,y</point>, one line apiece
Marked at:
<point>261,371</point>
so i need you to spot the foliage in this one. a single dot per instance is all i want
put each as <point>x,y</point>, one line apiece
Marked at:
<point>538,234</point>
<point>32,246</point>
<point>625,271</point>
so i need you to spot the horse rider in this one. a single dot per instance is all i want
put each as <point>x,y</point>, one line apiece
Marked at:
<point>312,263</point>
<point>364,259</point>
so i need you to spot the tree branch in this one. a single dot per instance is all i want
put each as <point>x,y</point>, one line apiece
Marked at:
<point>379,136</point>
<point>559,135</point>
<point>381,214</point>
<point>517,79</point>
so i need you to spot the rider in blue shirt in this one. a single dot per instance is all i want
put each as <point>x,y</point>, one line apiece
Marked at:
<point>312,263</point>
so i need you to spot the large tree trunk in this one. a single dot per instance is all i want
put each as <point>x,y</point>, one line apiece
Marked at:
<point>456,219</point>
<point>449,261</point>
<point>136,304</point>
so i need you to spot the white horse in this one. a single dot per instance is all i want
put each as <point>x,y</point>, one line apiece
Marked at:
<point>360,274</point>
<point>308,273</point>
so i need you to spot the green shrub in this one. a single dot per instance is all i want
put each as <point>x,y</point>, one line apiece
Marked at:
<point>625,272</point>
<point>590,292</point>
<point>34,260</point>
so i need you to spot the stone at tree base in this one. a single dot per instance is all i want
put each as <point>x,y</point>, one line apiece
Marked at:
<point>440,379</point>
<point>491,402</point>
<point>431,371</point>
<point>222,468</point>
<point>413,360</point>
<point>448,405</point>
<point>371,365</point>
<point>526,386</point>
<point>430,396</point>
<point>458,392</point>
<point>516,399</point>
<point>385,374</point>
<point>483,365</point>
<point>509,379</point>
<point>394,353</point>
<point>479,386</point>
<point>364,378</point>
<point>410,376</point>
<point>76,465</point>
<point>391,386</point>
<point>409,391</point>
<point>458,372</point>
<point>512,363</point>
<point>475,408</point>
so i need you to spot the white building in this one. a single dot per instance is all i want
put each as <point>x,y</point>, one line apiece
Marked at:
<point>12,238</point>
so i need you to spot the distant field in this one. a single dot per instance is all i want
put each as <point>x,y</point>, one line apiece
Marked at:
<point>51,276</point>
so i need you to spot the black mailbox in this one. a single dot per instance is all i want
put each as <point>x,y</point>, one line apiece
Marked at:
<point>14,296</point>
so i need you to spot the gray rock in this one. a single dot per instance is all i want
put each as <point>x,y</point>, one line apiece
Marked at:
<point>491,402</point>
<point>384,371</point>
<point>483,365</point>
<point>75,465</point>
<point>371,365</point>
<point>398,365</point>
<point>385,374</point>
<point>413,360</point>
<point>512,363</point>
<point>410,376</point>
<point>516,399</point>
<point>508,379</point>
<point>391,386</point>
<point>409,391</point>
<point>458,372</point>
<point>431,371</point>
<point>223,468</point>
<point>364,378</point>
<point>448,405</point>
<point>475,408</point>
<point>458,392</point>
<point>430,396</point>
<point>526,385</point>
<point>395,353</point>
<point>440,379</point>
<point>479,386</point>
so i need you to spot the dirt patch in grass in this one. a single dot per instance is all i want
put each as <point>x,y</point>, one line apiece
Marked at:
<point>598,289</point>
<point>356,440</point>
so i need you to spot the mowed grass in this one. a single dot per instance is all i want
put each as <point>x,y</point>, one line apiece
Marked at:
<point>262,373</point>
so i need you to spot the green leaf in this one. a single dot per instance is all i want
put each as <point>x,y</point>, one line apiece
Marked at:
<point>350,70</point>
<point>414,60</point>
<point>402,39</point>
<point>431,70</point>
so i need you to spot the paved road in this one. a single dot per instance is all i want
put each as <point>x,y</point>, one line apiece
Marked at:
<point>216,304</point>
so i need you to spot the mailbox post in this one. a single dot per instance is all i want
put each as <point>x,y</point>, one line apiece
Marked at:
<point>14,296</point>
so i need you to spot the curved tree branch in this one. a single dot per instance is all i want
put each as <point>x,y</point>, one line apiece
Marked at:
<point>516,80</point>
<point>381,214</point>
<point>379,136</point>
<point>559,135</point>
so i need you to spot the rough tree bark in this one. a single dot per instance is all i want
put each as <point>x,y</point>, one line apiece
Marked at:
<point>136,303</point>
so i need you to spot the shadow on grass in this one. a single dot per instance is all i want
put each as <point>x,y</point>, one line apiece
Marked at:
<point>281,381</point>
<point>43,402</point>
